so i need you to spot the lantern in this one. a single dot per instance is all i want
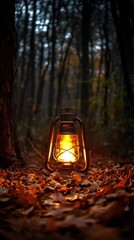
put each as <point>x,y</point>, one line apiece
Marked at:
<point>67,147</point>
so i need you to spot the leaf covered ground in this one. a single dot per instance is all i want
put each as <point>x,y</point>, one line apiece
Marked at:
<point>99,204</point>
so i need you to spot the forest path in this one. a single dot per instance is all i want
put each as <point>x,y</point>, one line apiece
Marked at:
<point>99,204</point>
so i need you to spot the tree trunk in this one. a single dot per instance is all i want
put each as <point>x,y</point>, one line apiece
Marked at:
<point>120,38</point>
<point>40,90</point>
<point>60,77</point>
<point>8,142</point>
<point>29,82</point>
<point>23,65</point>
<point>52,72</point>
<point>107,63</point>
<point>86,15</point>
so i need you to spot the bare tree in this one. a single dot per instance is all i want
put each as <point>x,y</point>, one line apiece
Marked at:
<point>86,16</point>
<point>8,143</point>
<point>107,62</point>
<point>53,58</point>
<point>122,25</point>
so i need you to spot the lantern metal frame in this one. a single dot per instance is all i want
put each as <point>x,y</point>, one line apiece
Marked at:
<point>69,122</point>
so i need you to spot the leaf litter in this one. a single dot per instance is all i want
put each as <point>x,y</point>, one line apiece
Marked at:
<point>98,204</point>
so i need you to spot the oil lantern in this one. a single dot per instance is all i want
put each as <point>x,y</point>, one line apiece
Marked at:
<point>67,146</point>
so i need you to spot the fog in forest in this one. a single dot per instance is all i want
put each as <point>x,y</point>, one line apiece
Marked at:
<point>78,55</point>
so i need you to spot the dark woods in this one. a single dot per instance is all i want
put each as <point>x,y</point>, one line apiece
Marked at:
<point>76,54</point>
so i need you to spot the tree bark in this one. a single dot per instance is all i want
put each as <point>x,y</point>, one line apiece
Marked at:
<point>60,77</point>
<point>107,63</point>
<point>8,142</point>
<point>86,15</point>
<point>23,65</point>
<point>52,72</point>
<point>122,47</point>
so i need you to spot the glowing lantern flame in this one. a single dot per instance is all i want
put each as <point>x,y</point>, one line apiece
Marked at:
<point>67,148</point>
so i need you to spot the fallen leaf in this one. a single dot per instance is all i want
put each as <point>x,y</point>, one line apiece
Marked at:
<point>24,198</point>
<point>86,182</point>
<point>115,210</point>
<point>122,182</point>
<point>76,178</point>
<point>103,191</point>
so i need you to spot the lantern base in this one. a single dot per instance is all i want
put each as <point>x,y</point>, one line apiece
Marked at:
<point>66,166</point>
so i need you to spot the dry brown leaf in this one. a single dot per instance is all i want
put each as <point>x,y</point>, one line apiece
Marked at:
<point>58,212</point>
<point>115,210</point>
<point>51,225</point>
<point>1,180</point>
<point>122,183</point>
<point>56,175</point>
<point>63,189</point>
<point>31,177</point>
<point>86,182</point>
<point>100,232</point>
<point>69,221</point>
<point>24,198</point>
<point>76,178</point>
<point>27,211</point>
<point>102,191</point>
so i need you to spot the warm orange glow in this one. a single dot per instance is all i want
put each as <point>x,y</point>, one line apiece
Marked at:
<point>67,148</point>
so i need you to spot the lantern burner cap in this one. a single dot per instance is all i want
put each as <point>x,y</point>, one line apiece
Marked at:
<point>67,128</point>
<point>67,115</point>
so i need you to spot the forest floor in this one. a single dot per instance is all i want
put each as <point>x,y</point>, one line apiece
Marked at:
<point>97,205</point>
